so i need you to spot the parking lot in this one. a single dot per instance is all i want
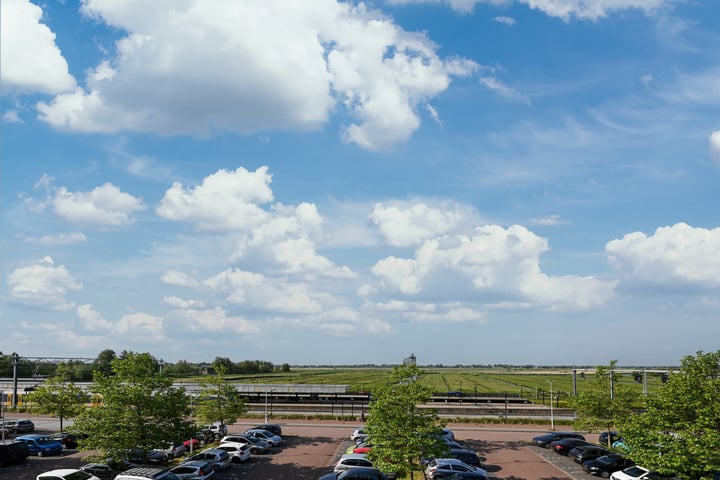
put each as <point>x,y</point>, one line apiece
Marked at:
<point>310,448</point>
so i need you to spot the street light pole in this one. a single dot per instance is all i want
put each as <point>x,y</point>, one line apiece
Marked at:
<point>552,416</point>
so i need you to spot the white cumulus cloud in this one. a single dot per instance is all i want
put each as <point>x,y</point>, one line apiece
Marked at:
<point>91,318</point>
<point>226,200</point>
<point>43,284</point>
<point>715,147</point>
<point>677,256</point>
<point>409,224</point>
<point>255,66</point>
<point>30,60</point>
<point>105,206</point>
<point>493,263</point>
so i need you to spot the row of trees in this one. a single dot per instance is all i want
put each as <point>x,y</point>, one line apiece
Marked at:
<point>677,430</point>
<point>140,408</point>
<point>82,371</point>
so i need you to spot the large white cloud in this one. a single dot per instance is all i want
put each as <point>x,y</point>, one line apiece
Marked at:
<point>678,256</point>
<point>492,265</point>
<point>43,284</point>
<point>105,206</point>
<point>565,9</point>
<point>226,200</point>
<point>410,224</point>
<point>199,68</point>
<point>30,61</point>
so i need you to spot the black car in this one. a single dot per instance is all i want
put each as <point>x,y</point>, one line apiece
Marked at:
<point>607,464</point>
<point>151,457</point>
<point>108,470</point>
<point>68,440</point>
<point>273,428</point>
<point>465,455</point>
<point>603,438</point>
<point>546,439</point>
<point>564,446</point>
<point>583,453</point>
<point>13,452</point>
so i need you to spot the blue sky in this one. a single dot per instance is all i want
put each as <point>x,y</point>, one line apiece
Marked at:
<point>472,181</point>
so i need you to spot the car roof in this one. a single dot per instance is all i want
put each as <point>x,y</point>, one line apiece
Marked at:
<point>448,461</point>
<point>354,455</point>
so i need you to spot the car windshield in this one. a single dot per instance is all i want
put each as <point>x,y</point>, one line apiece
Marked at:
<point>634,471</point>
<point>45,441</point>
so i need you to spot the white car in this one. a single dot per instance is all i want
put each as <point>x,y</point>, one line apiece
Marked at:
<point>641,473</point>
<point>352,460</point>
<point>358,433</point>
<point>66,474</point>
<point>273,440</point>
<point>199,470</point>
<point>239,452</point>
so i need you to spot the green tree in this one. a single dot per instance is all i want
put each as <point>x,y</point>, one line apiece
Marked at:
<point>140,408</point>
<point>104,360</point>
<point>400,431</point>
<point>59,396</point>
<point>604,403</point>
<point>679,430</point>
<point>218,399</point>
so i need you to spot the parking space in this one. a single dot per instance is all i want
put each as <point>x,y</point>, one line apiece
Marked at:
<point>310,448</point>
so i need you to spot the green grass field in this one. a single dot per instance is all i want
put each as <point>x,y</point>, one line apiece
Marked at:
<point>533,384</point>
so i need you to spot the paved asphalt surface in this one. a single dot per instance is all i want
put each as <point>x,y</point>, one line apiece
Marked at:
<point>310,449</point>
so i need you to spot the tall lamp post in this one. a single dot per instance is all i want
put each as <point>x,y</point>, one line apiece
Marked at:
<point>552,415</point>
<point>266,403</point>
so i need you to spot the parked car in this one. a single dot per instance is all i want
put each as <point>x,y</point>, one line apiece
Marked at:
<point>465,455</point>
<point>239,452</point>
<point>174,450</point>
<point>19,425</point>
<point>257,446</point>
<point>363,448</point>
<point>545,439</point>
<point>607,464</point>
<point>218,430</point>
<point>41,445</point>
<point>271,438</point>
<point>219,459</point>
<point>640,473</point>
<point>351,460</point>
<point>68,440</point>
<point>358,433</point>
<point>108,470</point>
<point>583,453</point>
<point>440,468</point>
<point>13,452</point>
<point>448,434</point>
<point>194,470</point>
<point>563,447</point>
<point>357,473</point>
<point>151,457</point>
<point>273,428</point>
<point>603,438</point>
<point>145,473</point>
<point>66,474</point>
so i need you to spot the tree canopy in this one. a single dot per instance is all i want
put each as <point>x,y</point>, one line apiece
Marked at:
<point>604,403</point>
<point>58,396</point>
<point>400,431</point>
<point>679,429</point>
<point>140,408</point>
<point>219,401</point>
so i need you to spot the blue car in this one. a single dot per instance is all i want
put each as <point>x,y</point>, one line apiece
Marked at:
<point>41,445</point>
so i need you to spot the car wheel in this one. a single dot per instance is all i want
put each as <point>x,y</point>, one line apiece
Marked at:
<point>40,454</point>
<point>605,474</point>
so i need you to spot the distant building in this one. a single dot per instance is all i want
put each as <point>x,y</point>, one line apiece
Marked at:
<point>411,360</point>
